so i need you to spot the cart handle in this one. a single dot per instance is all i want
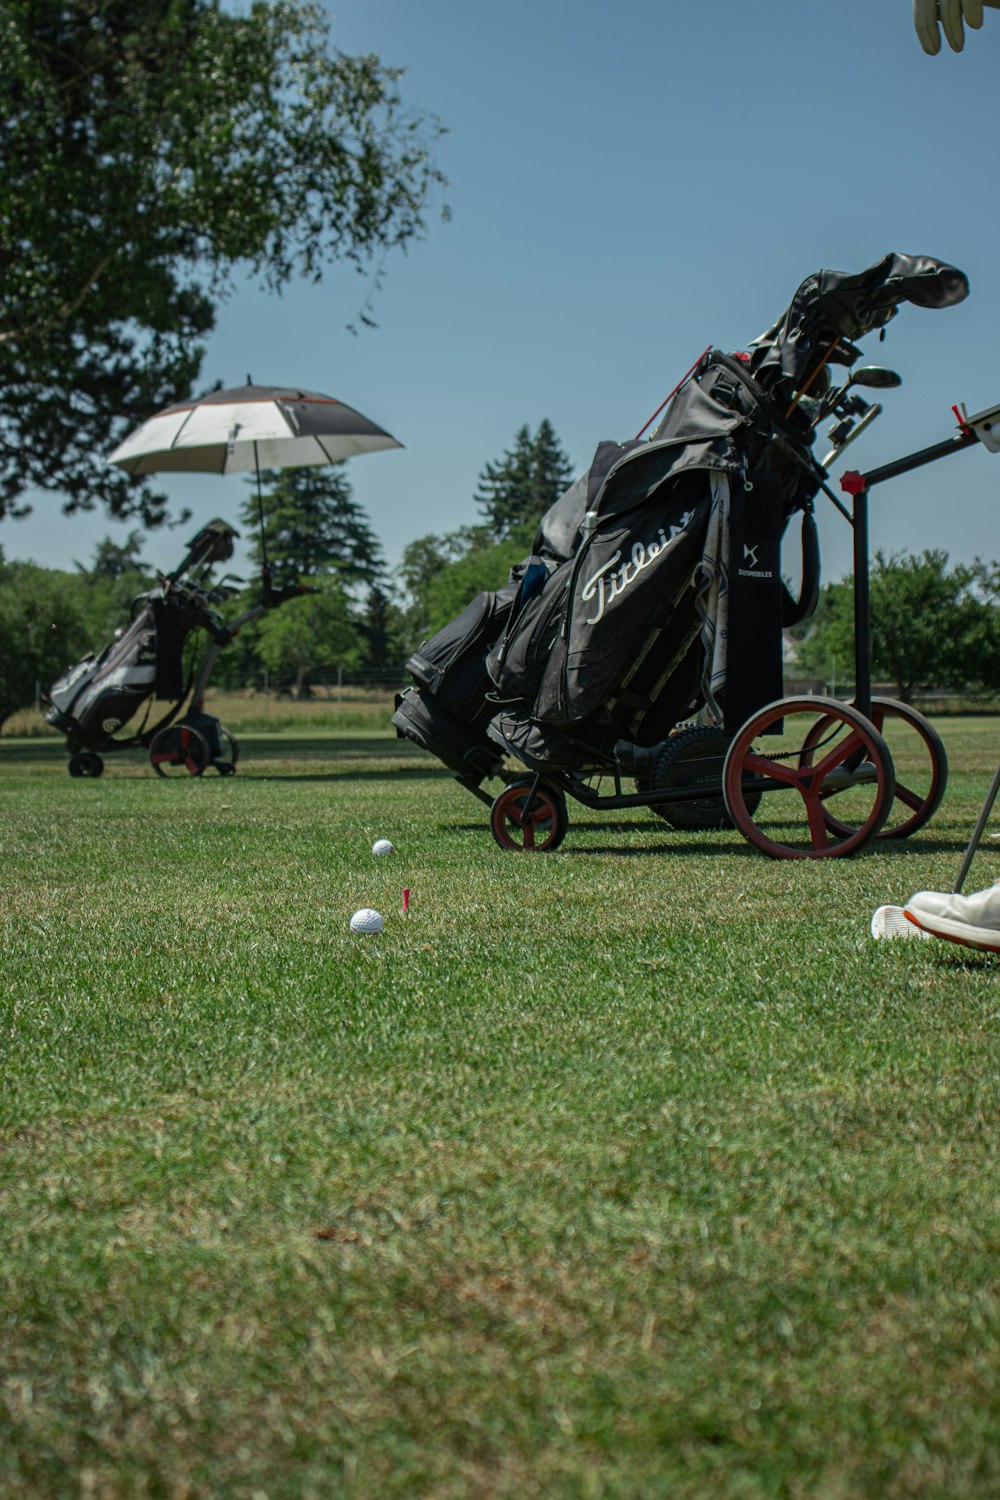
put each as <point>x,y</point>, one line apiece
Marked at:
<point>854,483</point>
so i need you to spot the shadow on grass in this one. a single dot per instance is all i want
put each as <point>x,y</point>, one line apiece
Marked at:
<point>670,843</point>
<point>958,957</point>
<point>329,747</point>
<point>675,846</point>
<point>575,827</point>
<point>31,751</point>
<point>255,749</point>
<point>676,841</point>
<point>384,773</point>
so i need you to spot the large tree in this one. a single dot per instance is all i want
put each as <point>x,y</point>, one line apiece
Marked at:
<point>423,560</point>
<point>440,574</point>
<point>114,560</point>
<point>480,569</point>
<point>520,487</point>
<point>44,628</point>
<point>111,583</point>
<point>150,148</point>
<point>382,630</point>
<point>933,626</point>
<point>316,633</point>
<point>312,526</point>
<point>314,532</point>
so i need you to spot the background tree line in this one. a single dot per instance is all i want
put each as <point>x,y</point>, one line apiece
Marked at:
<point>363,618</point>
<point>934,626</point>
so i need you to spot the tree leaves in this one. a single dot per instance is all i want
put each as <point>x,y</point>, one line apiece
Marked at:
<point>932,626</point>
<point>149,151</point>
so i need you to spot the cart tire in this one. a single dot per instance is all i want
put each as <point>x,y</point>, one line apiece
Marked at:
<point>178,751</point>
<point>230,744</point>
<point>919,795</point>
<point>226,764</point>
<point>693,757</point>
<point>540,828</point>
<point>797,779</point>
<point>85,763</point>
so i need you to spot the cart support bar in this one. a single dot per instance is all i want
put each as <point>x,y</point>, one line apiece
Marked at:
<point>853,482</point>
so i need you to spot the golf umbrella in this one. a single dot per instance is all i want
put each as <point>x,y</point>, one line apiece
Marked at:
<point>246,429</point>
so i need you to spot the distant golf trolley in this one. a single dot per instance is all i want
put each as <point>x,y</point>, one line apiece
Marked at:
<point>833,767</point>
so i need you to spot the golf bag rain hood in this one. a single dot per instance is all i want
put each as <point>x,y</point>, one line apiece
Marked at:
<point>654,588</point>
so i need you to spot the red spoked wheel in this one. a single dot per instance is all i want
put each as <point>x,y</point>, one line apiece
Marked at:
<point>826,750</point>
<point>522,820</point>
<point>920,762</point>
<point>178,751</point>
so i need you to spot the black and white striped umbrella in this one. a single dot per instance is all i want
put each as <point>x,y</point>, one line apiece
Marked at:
<point>248,428</point>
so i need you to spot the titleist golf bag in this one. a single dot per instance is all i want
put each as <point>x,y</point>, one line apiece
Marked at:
<point>654,591</point>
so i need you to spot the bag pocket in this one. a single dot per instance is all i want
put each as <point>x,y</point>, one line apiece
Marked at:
<point>516,664</point>
<point>451,664</point>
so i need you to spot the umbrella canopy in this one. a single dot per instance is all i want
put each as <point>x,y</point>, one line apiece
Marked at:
<point>250,427</point>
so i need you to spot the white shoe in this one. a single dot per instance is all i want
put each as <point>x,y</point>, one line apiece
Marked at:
<point>890,922</point>
<point>972,920</point>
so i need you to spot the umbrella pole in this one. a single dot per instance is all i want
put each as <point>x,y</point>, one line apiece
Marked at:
<point>265,571</point>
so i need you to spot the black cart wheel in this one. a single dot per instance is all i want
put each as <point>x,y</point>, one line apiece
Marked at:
<point>520,820</point>
<point>693,758</point>
<point>805,756</point>
<point>178,751</point>
<point>85,763</point>
<point>920,761</point>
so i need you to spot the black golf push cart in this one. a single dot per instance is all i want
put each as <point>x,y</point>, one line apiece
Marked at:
<point>98,702</point>
<point>641,641</point>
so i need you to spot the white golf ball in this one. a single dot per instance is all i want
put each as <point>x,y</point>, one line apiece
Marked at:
<point>367,920</point>
<point>383,846</point>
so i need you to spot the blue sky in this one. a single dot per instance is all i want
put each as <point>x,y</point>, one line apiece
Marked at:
<point>630,182</point>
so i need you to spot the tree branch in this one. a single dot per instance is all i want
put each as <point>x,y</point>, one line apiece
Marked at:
<point>66,311</point>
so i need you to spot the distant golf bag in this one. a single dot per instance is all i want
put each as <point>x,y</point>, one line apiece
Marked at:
<point>643,635</point>
<point>98,702</point>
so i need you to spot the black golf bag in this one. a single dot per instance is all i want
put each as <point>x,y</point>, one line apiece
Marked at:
<point>96,702</point>
<point>654,589</point>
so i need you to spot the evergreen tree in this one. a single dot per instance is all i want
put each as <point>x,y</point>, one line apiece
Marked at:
<point>519,489</point>
<point>382,628</point>
<point>312,527</point>
<point>423,560</point>
<point>110,583</point>
<point>479,570</point>
<point>113,560</point>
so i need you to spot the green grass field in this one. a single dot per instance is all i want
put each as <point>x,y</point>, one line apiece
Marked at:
<point>636,1169</point>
